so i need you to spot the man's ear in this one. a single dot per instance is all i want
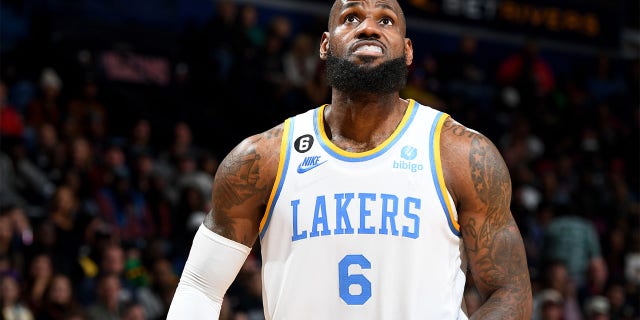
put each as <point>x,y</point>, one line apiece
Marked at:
<point>408,51</point>
<point>324,46</point>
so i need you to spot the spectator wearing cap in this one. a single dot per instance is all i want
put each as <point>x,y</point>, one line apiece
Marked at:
<point>556,278</point>
<point>551,305</point>
<point>597,308</point>
<point>12,307</point>
<point>46,107</point>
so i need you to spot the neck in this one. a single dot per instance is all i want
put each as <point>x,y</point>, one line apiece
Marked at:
<point>361,122</point>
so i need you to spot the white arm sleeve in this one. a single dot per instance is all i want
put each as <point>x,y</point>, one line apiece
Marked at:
<point>214,262</point>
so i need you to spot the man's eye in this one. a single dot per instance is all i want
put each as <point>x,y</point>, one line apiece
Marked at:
<point>386,21</point>
<point>351,19</point>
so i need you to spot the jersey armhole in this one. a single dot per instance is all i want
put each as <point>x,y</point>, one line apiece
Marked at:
<point>283,163</point>
<point>438,175</point>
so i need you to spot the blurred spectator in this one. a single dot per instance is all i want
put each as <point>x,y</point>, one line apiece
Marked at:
<point>573,240</point>
<point>548,305</point>
<point>181,145</point>
<point>11,123</point>
<point>621,307</point>
<point>140,141</point>
<point>221,33</point>
<point>47,106</point>
<point>38,280</point>
<point>48,153</point>
<point>113,260</point>
<point>271,68</point>
<point>190,175</point>
<point>556,278</point>
<point>108,305</point>
<point>133,311</point>
<point>529,73</point>
<point>59,300</point>
<point>10,245</point>
<point>146,179</point>
<point>12,306</point>
<point>83,173</point>
<point>300,61</point>
<point>248,290</point>
<point>466,77</point>
<point>597,308</point>
<point>125,209</point>
<point>317,90</point>
<point>188,216</point>
<point>139,281</point>
<point>520,146</point>
<point>25,181</point>
<point>86,115</point>
<point>164,282</point>
<point>300,65</point>
<point>253,33</point>
<point>68,226</point>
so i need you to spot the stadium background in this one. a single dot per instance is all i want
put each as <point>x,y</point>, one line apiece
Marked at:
<point>114,115</point>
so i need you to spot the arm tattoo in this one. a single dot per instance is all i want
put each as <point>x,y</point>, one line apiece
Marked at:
<point>243,177</point>
<point>236,182</point>
<point>459,130</point>
<point>490,241</point>
<point>494,245</point>
<point>240,174</point>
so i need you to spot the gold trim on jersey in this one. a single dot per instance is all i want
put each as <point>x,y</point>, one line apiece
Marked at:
<point>441,183</point>
<point>279,175</point>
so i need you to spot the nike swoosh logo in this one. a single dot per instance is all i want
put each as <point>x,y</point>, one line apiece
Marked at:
<point>304,169</point>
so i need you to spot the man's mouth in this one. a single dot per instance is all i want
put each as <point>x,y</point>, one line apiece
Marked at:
<point>368,49</point>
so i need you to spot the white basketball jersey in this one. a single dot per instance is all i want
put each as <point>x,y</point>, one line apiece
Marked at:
<point>370,235</point>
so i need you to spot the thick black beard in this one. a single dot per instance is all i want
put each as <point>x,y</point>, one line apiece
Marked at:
<point>346,76</point>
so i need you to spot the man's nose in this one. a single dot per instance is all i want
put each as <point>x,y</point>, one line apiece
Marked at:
<point>368,28</point>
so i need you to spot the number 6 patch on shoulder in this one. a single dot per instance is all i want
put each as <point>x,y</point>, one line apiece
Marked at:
<point>303,143</point>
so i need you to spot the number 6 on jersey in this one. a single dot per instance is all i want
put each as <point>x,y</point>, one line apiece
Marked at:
<point>347,280</point>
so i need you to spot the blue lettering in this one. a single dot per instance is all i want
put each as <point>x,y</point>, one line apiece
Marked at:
<point>378,214</point>
<point>342,202</point>
<point>297,236</point>
<point>311,161</point>
<point>408,202</point>
<point>389,199</point>
<point>413,167</point>
<point>364,213</point>
<point>320,217</point>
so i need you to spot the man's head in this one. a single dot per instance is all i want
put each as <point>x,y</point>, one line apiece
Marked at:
<point>365,47</point>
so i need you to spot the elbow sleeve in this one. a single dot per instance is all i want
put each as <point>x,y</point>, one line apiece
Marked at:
<point>214,262</point>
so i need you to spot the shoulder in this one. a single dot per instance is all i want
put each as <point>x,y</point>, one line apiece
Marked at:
<point>471,163</point>
<point>242,186</point>
<point>252,165</point>
<point>255,158</point>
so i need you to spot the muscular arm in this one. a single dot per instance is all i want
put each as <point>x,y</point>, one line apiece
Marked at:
<point>481,187</point>
<point>242,186</point>
<point>240,192</point>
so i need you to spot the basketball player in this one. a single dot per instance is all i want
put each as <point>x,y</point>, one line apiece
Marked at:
<point>371,207</point>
